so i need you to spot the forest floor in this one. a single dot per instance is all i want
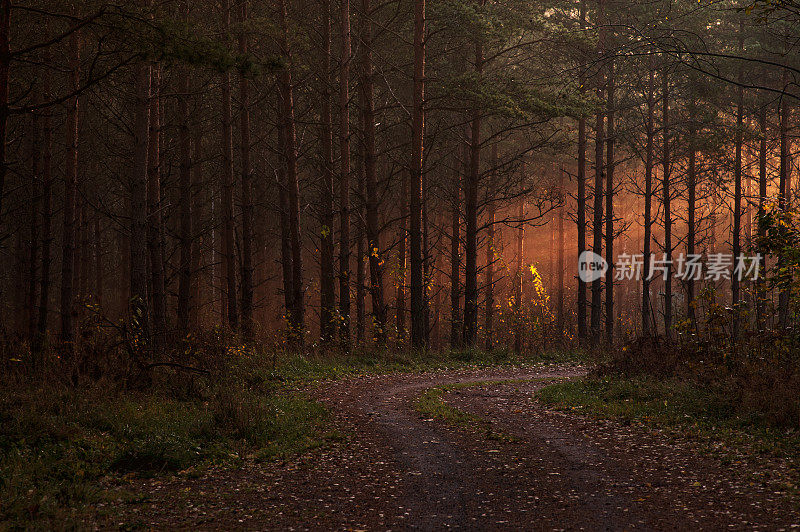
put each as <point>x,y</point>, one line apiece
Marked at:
<point>475,449</point>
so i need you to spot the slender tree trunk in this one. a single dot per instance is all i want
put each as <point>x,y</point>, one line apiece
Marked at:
<point>228,233</point>
<point>599,169</point>
<point>562,214</point>
<point>138,234</point>
<point>360,253</point>
<point>185,185</point>
<point>437,287</point>
<point>98,260</point>
<point>47,216</point>
<point>402,263</point>
<point>20,269</point>
<point>327,274</point>
<point>581,199</point>
<point>33,252</point>
<point>665,188</point>
<point>737,194</point>
<point>761,293</point>
<point>198,254</point>
<point>154,221</point>
<point>648,201</point>
<point>519,277</point>
<point>70,193</point>
<point>783,194</point>
<point>371,180</point>
<point>247,188</point>
<point>610,209</point>
<point>455,260</point>
<point>297,318</point>
<point>418,329</point>
<point>85,244</point>
<point>490,251</point>
<point>344,175</point>
<point>748,198</point>
<point>5,65</point>
<point>426,265</point>
<point>691,185</point>
<point>78,262</point>
<point>286,237</point>
<point>471,215</point>
<point>551,252</point>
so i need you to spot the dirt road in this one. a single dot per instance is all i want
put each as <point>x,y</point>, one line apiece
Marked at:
<point>535,469</point>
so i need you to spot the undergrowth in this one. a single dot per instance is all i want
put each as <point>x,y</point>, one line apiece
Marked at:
<point>707,412</point>
<point>313,366</point>
<point>66,449</point>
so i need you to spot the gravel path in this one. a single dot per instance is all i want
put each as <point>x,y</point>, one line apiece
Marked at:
<point>398,470</point>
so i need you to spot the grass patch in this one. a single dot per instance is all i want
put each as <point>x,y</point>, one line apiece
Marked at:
<point>431,404</point>
<point>707,413</point>
<point>312,367</point>
<point>59,446</point>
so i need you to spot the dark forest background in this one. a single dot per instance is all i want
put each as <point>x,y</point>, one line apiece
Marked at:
<point>321,175</point>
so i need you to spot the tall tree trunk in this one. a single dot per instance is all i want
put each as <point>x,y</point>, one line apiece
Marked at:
<point>228,233</point>
<point>138,234</point>
<point>5,65</point>
<point>98,260</point>
<point>455,259</point>
<point>665,189</point>
<point>371,184</point>
<point>471,215</point>
<point>360,252</point>
<point>198,252</point>
<point>47,216</point>
<point>737,194</point>
<point>297,318</point>
<point>691,185</point>
<point>327,273</point>
<point>85,244</point>
<point>581,199</point>
<point>648,201</point>
<point>70,193</point>
<point>154,220</point>
<point>185,184</point>
<point>247,188</point>
<point>599,168</point>
<point>519,277</point>
<point>402,263</point>
<point>783,194</point>
<point>77,263</point>
<point>344,175</point>
<point>17,323</point>
<point>551,251</point>
<point>748,197</point>
<point>490,251</point>
<point>33,252</point>
<point>437,287</point>
<point>761,293</point>
<point>418,329</point>
<point>426,265</point>
<point>610,209</point>
<point>562,214</point>
<point>286,237</point>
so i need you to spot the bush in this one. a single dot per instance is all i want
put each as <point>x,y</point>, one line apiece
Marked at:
<point>58,443</point>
